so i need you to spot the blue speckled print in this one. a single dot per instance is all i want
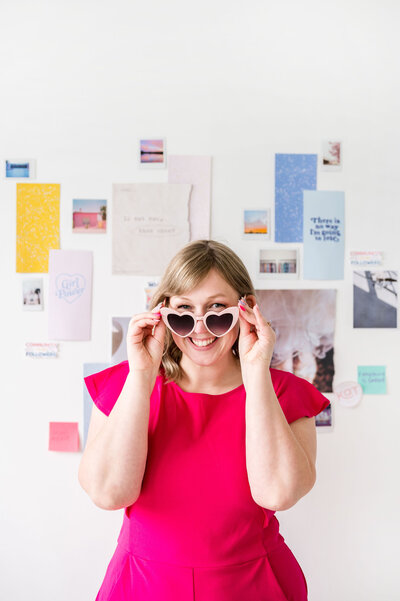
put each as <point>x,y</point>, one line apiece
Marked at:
<point>293,174</point>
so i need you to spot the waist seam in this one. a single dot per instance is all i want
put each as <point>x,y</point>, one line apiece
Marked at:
<point>221,565</point>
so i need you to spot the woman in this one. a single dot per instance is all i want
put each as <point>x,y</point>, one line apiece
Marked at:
<point>201,442</point>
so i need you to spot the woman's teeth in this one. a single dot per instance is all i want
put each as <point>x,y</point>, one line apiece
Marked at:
<point>203,342</point>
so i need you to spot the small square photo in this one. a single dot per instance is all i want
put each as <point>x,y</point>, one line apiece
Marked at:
<point>152,153</point>
<point>256,224</point>
<point>89,216</point>
<point>279,263</point>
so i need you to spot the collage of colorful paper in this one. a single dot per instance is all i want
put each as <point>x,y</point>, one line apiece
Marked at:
<point>301,237</point>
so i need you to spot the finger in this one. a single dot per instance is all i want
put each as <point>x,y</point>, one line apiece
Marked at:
<point>262,324</point>
<point>136,328</point>
<point>244,325</point>
<point>247,312</point>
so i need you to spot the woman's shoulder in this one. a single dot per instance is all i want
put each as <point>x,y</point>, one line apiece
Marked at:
<point>296,395</point>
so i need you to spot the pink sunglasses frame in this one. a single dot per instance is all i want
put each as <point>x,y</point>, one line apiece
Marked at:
<point>234,311</point>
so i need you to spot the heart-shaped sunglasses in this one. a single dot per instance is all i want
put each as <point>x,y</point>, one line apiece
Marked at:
<point>217,323</point>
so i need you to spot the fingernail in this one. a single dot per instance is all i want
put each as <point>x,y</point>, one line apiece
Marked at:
<point>242,308</point>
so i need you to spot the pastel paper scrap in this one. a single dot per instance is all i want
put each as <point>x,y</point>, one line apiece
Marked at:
<point>372,378</point>
<point>64,436</point>
<point>294,173</point>
<point>150,224</point>
<point>195,170</point>
<point>323,234</point>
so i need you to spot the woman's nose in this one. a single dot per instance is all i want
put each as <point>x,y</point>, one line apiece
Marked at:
<point>200,327</point>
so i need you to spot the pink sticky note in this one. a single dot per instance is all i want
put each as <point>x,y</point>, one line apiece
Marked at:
<point>70,294</point>
<point>63,436</point>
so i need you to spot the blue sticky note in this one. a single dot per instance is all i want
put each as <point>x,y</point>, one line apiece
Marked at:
<point>88,370</point>
<point>323,234</point>
<point>372,378</point>
<point>294,173</point>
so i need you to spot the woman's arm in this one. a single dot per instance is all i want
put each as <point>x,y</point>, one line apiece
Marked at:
<point>114,460</point>
<point>280,458</point>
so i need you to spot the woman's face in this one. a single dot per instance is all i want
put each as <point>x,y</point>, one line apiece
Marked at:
<point>212,294</point>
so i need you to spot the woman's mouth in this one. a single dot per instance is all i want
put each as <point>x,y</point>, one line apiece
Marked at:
<point>203,343</point>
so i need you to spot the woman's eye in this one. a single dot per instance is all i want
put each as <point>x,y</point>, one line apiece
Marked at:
<point>186,307</point>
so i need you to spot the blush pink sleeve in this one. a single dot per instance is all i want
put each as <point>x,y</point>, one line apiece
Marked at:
<point>297,397</point>
<point>105,386</point>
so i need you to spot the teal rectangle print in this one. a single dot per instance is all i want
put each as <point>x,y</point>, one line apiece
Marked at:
<point>372,378</point>
<point>323,235</point>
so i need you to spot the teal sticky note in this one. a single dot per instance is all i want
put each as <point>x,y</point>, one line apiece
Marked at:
<point>372,378</point>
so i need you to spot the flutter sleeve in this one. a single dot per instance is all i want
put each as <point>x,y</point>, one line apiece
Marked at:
<point>297,397</point>
<point>105,386</point>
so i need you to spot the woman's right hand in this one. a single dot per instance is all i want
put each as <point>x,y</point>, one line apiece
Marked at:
<point>144,348</point>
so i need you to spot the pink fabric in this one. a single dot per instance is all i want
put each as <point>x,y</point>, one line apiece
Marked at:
<point>195,532</point>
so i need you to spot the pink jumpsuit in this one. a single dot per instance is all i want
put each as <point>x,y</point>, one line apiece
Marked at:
<point>195,532</point>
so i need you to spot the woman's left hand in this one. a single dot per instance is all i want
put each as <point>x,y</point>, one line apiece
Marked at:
<point>257,338</point>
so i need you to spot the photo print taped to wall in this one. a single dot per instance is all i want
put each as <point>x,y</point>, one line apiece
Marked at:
<point>278,263</point>
<point>152,153</point>
<point>331,155</point>
<point>89,216</point>
<point>256,224</point>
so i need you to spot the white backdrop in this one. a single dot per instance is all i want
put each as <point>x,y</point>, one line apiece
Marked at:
<point>80,83</point>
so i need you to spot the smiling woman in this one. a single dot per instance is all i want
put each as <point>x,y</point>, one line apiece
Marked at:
<point>196,434</point>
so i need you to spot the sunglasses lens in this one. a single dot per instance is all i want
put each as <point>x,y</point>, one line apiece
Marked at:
<point>219,324</point>
<point>181,324</point>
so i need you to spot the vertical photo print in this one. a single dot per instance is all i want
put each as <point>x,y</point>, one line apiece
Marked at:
<point>118,339</point>
<point>375,296</point>
<point>331,156</point>
<point>32,294</point>
<point>304,324</point>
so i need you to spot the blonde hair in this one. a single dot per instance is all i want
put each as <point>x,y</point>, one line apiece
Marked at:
<point>184,272</point>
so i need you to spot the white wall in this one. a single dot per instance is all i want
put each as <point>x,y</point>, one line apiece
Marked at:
<point>80,83</point>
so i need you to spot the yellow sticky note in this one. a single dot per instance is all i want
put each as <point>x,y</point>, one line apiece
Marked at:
<point>38,225</point>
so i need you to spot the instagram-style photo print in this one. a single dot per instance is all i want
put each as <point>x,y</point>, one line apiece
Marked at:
<point>375,295</point>
<point>331,156</point>
<point>152,153</point>
<point>32,294</point>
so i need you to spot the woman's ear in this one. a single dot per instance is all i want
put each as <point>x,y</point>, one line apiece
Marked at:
<point>250,300</point>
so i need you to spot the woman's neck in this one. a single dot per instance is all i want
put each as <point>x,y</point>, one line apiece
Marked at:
<point>212,379</point>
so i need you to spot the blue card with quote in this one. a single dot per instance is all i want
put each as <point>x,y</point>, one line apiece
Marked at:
<point>323,235</point>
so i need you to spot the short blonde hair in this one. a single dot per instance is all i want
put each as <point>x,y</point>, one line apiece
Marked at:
<point>184,272</point>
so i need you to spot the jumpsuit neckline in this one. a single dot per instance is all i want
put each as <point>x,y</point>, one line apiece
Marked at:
<point>201,394</point>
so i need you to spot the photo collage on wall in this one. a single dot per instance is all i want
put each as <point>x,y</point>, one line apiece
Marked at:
<point>300,237</point>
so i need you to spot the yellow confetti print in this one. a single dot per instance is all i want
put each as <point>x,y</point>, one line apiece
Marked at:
<point>38,225</point>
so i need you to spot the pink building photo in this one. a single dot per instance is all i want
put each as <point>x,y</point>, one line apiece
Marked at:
<point>89,216</point>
